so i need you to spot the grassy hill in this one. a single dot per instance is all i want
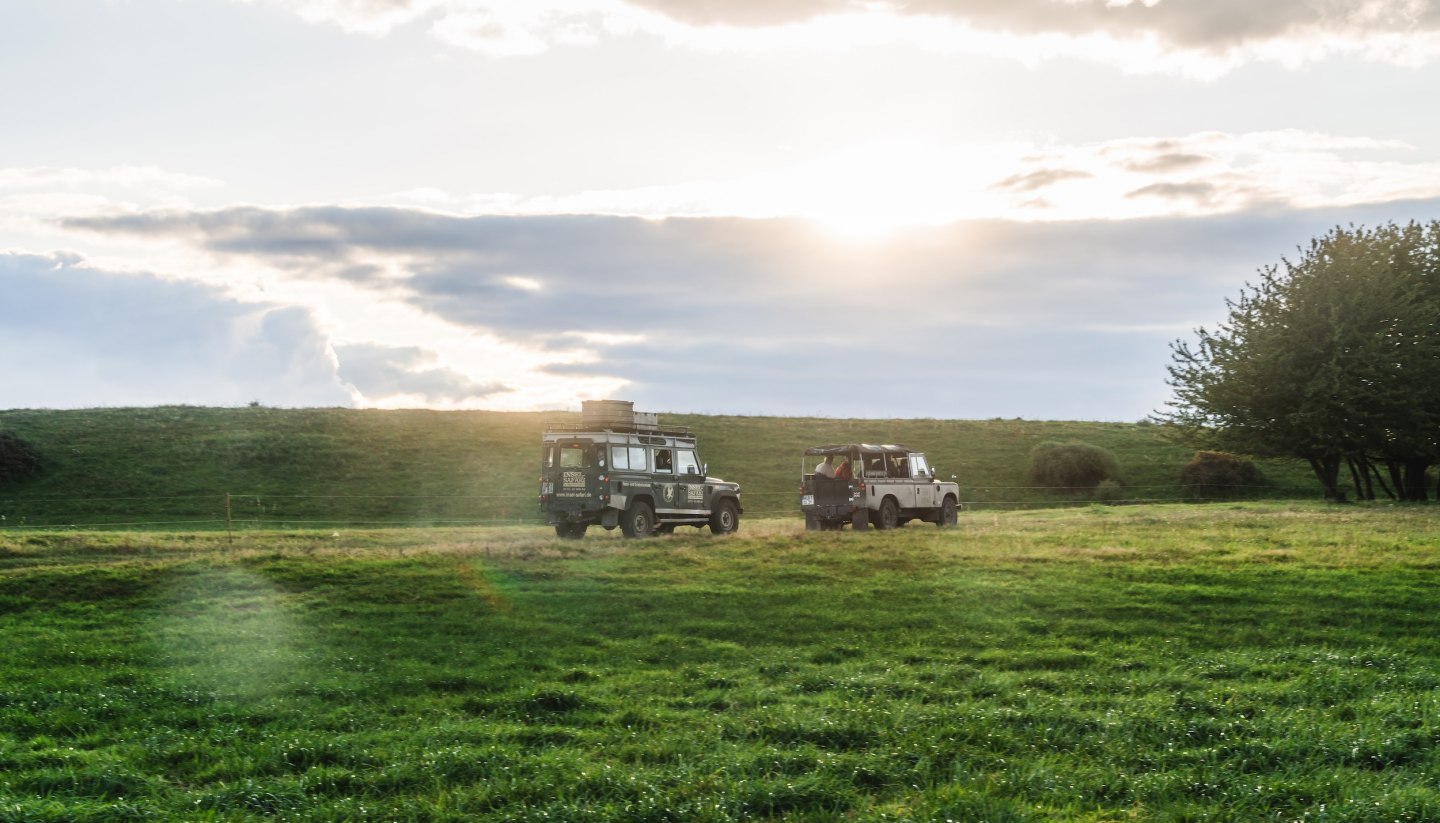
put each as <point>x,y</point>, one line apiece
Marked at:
<point>174,465</point>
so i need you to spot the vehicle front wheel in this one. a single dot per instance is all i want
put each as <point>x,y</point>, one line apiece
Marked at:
<point>570,531</point>
<point>889,515</point>
<point>725,519</point>
<point>638,520</point>
<point>948,517</point>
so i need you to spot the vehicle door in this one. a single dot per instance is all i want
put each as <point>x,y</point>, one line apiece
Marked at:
<point>926,492</point>
<point>871,470</point>
<point>568,470</point>
<point>629,466</point>
<point>898,472</point>
<point>691,491</point>
<point>668,495</point>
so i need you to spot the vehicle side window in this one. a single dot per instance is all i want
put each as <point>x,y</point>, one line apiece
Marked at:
<point>918,467</point>
<point>685,462</point>
<point>574,456</point>
<point>548,459</point>
<point>663,460</point>
<point>628,458</point>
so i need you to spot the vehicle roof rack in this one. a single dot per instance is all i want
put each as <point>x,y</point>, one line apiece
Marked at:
<point>660,431</point>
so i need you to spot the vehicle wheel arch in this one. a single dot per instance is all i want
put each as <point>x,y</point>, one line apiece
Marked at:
<point>718,523</point>
<point>626,524</point>
<point>888,504</point>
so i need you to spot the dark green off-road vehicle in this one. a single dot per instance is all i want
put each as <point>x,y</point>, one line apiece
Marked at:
<point>621,468</point>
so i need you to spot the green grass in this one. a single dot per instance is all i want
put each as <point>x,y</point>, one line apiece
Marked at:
<point>168,467</point>
<point>1155,663</point>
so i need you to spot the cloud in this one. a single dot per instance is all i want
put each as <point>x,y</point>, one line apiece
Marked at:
<point>751,13</point>
<point>866,186</point>
<point>1140,34</point>
<point>1212,25</point>
<point>1166,162</point>
<point>374,17</point>
<point>1199,192</point>
<point>77,336</point>
<point>407,372</point>
<point>1043,178</point>
<point>970,319</point>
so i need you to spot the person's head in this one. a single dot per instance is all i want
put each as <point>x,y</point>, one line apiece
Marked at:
<point>829,458</point>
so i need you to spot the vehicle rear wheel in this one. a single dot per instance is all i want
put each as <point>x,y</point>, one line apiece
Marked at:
<point>570,531</point>
<point>860,521</point>
<point>725,519</point>
<point>638,520</point>
<point>948,516</point>
<point>889,515</point>
<point>811,523</point>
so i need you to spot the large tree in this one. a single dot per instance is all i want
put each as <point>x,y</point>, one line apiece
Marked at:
<point>1333,358</point>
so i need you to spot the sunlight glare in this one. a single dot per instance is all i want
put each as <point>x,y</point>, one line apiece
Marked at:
<point>869,191</point>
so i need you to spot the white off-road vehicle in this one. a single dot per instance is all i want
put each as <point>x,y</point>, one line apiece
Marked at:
<point>862,484</point>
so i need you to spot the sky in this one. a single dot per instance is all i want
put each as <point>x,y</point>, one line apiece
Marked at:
<point>959,209</point>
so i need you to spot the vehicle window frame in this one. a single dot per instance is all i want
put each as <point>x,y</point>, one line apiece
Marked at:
<point>582,449</point>
<point>693,465</point>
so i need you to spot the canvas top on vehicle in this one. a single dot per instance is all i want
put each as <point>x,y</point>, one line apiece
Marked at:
<point>864,484</point>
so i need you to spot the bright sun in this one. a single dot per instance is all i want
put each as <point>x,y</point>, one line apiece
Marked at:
<point>869,191</point>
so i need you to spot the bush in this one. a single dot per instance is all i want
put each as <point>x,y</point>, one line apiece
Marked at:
<point>19,460</point>
<point>1215,475</point>
<point>1071,467</point>
<point>1109,491</point>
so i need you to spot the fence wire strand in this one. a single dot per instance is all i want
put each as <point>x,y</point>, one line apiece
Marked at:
<point>246,510</point>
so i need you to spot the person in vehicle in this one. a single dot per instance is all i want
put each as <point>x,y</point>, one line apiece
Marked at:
<point>826,467</point>
<point>842,471</point>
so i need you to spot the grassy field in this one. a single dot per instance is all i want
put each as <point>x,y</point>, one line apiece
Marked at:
<point>1234,662</point>
<point>169,467</point>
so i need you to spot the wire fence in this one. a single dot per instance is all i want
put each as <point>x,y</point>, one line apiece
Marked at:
<point>258,511</point>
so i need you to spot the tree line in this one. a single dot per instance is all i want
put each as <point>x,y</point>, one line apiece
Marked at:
<point>1333,358</point>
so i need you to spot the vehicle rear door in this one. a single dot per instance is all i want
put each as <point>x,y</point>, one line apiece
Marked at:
<point>569,469</point>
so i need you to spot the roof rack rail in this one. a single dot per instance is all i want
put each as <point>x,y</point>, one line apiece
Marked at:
<point>616,428</point>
